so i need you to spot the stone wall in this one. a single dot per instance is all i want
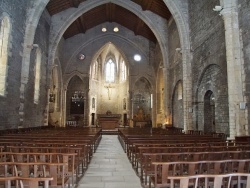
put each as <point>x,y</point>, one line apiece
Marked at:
<point>175,74</point>
<point>208,46</point>
<point>177,104</point>
<point>10,104</point>
<point>212,80</point>
<point>244,17</point>
<point>34,113</point>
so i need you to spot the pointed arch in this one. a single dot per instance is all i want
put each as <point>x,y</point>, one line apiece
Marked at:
<point>177,105</point>
<point>212,79</point>
<point>145,81</point>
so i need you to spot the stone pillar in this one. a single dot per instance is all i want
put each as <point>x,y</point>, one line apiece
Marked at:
<point>235,72</point>
<point>64,107</point>
<point>187,90</point>
<point>167,98</point>
<point>87,102</point>
<point>130,106</point>
<point>153,107</point>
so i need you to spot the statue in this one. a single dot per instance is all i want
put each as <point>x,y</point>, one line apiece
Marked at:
<point>108,112</point>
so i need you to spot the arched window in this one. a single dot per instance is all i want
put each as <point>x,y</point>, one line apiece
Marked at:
<point>4,41</point>
<point>110,71</point>
<point>123,71</point>
<point>179,90</point>
<point>37,74</point>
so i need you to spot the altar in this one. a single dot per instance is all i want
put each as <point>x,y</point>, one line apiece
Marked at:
<point>141,120</point>
<point>108,120</point>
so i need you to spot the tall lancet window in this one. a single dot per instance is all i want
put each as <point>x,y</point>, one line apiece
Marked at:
<point>37,74</point>
<point>4,42</point>
<point>110,71</point>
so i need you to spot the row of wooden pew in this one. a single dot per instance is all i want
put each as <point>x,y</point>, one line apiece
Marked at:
<point>46,157</point>
<point>170,158</point>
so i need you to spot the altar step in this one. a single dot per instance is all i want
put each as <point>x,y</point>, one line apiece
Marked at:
<point>109,132</point>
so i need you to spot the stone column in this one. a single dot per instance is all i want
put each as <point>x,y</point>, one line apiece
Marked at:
<point>167,98</point>
<point>187,90</point>
<point>153,107</point>
<point>131,106</point>
<point>64,107</point>
<point>235,71</point>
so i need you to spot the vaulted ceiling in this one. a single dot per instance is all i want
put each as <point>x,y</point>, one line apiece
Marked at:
<point>110,13</point>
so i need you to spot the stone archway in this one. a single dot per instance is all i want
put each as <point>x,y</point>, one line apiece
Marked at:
<point>209,112</point>
<point>179,11</point>
<point>76,101</point>
<point>177,106</point>
<point>212,88</point>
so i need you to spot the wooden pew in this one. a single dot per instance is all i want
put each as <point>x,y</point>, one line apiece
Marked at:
<point>68,159</point>
<point>80,141</point>
<point>211,180</point>
<point>188,168</point>
<point>80,159</point>
<point>30,175</point>
<point>146,167</point>
<point>136,157</point>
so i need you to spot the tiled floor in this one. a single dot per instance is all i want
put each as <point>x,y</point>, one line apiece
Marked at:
<point>110,167</point>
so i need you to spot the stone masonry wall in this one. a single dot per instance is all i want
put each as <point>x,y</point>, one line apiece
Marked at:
<point>213,80</point>
<point>9,104</point>
<point>208,46</point>
<point>34,113</point>
<point>175,73</point>
<point>244,18</point>
<point>177,109</point>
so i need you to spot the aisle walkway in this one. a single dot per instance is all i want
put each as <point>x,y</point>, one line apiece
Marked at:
<point>110,167</point>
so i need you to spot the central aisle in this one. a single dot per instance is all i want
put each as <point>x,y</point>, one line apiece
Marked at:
<point>110,167</point>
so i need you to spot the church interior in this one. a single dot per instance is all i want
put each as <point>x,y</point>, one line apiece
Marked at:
<point>124,67</point>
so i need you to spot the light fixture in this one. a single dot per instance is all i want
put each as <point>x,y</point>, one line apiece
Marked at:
<point>81,56</point>
<point>78,96</point>
<point>217,8</point>
<point>104,29</point>
<point>32,46</point>
<point>116,29</point>
<point>137,57</point>
<point>138,99</point>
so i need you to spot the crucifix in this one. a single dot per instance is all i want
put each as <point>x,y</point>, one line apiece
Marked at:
<point>108,87</point>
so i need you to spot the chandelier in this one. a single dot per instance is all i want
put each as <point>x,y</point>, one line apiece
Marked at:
<point>138,99</point>
<point>78,96</point>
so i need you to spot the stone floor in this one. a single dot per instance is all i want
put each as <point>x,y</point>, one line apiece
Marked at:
<point>110,167</point>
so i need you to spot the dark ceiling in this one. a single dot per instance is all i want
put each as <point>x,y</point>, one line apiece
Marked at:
<point>110,13</point>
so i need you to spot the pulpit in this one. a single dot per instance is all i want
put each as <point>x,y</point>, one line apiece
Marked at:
<point>108,120</point>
